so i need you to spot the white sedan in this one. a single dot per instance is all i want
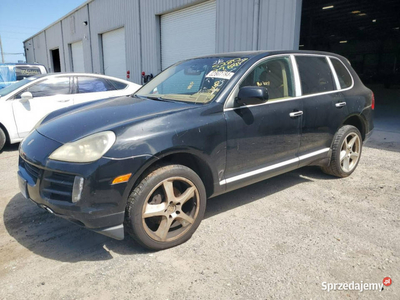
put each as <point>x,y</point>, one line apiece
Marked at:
<point>24,103</point>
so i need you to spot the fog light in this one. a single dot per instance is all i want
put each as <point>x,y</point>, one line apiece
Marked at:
<point>77,189</point>
<point>122,178</point>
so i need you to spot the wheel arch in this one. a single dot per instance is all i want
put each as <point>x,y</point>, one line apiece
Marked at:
<point>358,122</point>
<point>190,160</point>
<point>6,133</point>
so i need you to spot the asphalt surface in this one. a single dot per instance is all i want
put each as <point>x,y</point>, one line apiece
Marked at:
<point>278,239</point>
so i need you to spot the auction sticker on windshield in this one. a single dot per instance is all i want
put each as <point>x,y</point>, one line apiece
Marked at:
<point>220,74</point>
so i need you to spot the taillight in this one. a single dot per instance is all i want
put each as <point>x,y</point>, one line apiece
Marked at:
<point>373,102</point>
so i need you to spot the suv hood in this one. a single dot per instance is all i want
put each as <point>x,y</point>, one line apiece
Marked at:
<point>75,122</point>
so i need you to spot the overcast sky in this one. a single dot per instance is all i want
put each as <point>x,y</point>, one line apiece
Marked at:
<point>20,19</point>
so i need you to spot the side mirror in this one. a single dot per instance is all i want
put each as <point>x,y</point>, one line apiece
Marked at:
<point>26,96</point>
<point>249,95</point>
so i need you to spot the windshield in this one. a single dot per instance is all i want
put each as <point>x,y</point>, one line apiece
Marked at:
<point>197,80</point>
<point>14,86</point>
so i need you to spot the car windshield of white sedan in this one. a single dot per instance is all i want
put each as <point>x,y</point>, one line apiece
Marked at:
<point>197,80</point>
<point>17,85</point>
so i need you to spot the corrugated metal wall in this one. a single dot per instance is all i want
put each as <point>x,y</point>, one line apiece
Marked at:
<point>73,30</point>
<point>29,52</point>
<point>39,46</point>
<point>54,40</point>
<point>109,15</point>
<point>150,29</point>
<point>241,25</point>
<point>235,25</point>
<point>279,24</point>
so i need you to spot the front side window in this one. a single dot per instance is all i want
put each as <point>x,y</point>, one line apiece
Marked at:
<point>342,73</point>
<point>93,85</point>
<point>275,75</point>
<point>50,87</point>
<point>315,74</point>
<point>196,80</point>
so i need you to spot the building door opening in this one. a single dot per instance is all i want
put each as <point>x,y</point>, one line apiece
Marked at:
<point>365,32</point>
<point>55,56</point>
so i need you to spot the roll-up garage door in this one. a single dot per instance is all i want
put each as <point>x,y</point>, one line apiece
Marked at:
<point>188,32</point>
<point>114,53</point>
<point>77,57</point>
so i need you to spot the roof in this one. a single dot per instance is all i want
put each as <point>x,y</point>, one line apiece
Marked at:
<point>21,64</point>
<point>88,75</point>
<point>266,53</point>
<point>59,20</point>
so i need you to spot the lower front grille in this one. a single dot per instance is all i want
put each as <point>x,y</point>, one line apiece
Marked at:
<point>33,171</point>
<point>58,186</point>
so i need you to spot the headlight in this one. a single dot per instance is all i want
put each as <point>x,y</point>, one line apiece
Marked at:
<point>88,149</point>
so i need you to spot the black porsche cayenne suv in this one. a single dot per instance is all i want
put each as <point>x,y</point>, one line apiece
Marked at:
<point>147,163</point>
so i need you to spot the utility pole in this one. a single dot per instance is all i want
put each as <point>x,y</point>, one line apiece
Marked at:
<point>2,53</point>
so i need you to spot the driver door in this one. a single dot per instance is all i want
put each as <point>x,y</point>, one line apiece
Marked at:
<point>47,96</point>
<point>264,139</point>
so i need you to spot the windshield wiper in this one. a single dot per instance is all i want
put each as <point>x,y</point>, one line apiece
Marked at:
<point>155,98</point>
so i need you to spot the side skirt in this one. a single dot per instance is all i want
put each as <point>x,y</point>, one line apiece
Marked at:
<point>254,176</point>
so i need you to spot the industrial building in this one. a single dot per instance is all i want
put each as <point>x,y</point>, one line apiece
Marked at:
<point>134,36</point>
<point>124,38</point>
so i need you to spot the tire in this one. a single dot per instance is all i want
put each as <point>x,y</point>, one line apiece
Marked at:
<point>175,198</point>
<point>3,139</point>
<point>343,144</point>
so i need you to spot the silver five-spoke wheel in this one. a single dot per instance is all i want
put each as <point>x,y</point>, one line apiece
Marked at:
<point>170,209</point>
<point>346,152</point>
<point>350,152</point>
<point>166,207</point>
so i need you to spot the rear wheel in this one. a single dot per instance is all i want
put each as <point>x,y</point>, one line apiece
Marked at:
<point>346,152</point>
<point>166,208</point>
<point>3,139</point>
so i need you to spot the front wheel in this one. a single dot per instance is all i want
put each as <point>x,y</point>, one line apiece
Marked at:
<point>346,152</point>
<point>166,208</point>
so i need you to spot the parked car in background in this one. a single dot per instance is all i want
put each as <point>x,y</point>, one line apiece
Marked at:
<point>24,103</point>
<point>13,72</point>
<point>202,127</point>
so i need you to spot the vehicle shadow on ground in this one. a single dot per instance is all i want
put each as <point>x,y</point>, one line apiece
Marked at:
<point>263,189</point>
<point>55,238</point>
<point>9,148</point>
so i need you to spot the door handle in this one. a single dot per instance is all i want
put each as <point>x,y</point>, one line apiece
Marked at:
<point>296,114</point>
<point>67,100</point>
<point>340,104</point>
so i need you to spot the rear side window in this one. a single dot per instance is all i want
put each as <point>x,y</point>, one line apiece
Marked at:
<point>93,85</point>
<point>342,73</point>
<point>315,74</point>
<point>118,85</point>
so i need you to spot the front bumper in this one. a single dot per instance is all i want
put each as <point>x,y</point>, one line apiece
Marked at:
<point>50,184</point>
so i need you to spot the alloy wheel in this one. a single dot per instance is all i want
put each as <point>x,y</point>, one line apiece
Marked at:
<point>350,152</point>
<point>170,209</point>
